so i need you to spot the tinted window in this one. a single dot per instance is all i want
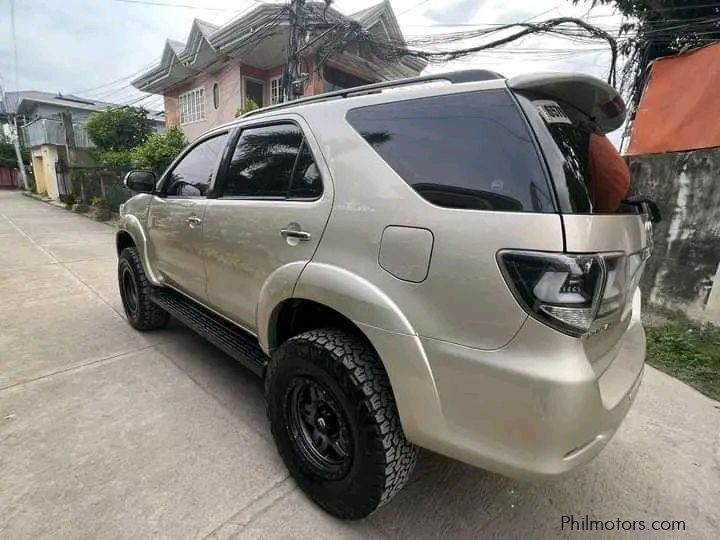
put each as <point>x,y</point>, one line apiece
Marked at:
<point>568,140</point>
<point>469,150</point>
<point>263,162</point>
<point>191,177</point>
<point>306,182</point>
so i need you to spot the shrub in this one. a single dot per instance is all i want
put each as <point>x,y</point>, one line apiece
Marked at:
<point>8,157</point>
<point>250,105</point>
<point>119,128</point>
<point>159,150</point>
<point>114,158</point>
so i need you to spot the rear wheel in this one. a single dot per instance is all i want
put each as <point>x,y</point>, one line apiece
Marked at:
<point>135,290</point>
<point>334,419</point>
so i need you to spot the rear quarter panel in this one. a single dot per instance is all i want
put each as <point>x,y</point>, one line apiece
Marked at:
<point>464,298</point>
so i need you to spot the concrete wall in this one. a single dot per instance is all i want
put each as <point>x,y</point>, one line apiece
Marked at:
<point>232,89</point>
<point>228,79</point>
<point>44,158</point>
<point>683,272</point>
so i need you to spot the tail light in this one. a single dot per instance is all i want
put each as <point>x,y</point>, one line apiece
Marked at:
<point>572,293</point>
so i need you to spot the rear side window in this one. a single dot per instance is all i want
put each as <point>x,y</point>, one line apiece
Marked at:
<point>470,150</point>
<point>306,182</point>
<point>590,175</point>
<point>272,161</point>
<point>263,161</point>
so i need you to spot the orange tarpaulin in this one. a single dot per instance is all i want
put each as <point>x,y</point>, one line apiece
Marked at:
<point>680,109</point>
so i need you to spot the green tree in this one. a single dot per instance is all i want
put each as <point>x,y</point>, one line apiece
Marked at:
<point>158,151</point>
<point>119,128</point>
<point>655,28</point>
<point>8,158</point>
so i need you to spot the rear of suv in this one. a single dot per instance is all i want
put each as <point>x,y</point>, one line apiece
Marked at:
<point>416,264</point>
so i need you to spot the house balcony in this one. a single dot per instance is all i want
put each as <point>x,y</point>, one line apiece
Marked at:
<point>47,131</point>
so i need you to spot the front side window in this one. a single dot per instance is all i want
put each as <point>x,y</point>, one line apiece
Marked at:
<point>472,150</point>
<point>192,176</point>
<point>192,106</point>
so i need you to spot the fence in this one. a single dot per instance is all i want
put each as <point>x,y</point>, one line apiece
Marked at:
<point>8,177</point>
<point>92,184</point>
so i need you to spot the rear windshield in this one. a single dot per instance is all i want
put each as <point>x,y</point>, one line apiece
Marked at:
<point>471,150</point>
<point>590,175</point>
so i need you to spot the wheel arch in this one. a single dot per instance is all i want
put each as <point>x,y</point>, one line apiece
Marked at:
<point>354,299</point>
<point>124,239</point>
<point>131,234</point>
<point>363,309</point>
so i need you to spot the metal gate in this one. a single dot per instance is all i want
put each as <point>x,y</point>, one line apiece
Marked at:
<point>63,182</point>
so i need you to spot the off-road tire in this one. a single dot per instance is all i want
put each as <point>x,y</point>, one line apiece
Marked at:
<point>381,460</point>
<point>145,315</point>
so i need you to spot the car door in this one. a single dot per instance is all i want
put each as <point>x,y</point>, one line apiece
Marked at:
<point>175,220</point>
<point>273,204</point>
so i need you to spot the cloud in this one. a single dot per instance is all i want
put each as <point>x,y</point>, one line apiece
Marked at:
<point>78,45</point>
<point>457,11</point>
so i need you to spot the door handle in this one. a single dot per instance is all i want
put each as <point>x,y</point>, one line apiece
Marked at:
<point>193,221</point>
<point>303,236</point>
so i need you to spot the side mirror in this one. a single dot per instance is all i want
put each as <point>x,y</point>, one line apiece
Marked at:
<point>140,181</point>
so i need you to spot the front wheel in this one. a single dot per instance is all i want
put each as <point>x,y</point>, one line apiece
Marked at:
<point>135,290</point>
<point>334,419</point>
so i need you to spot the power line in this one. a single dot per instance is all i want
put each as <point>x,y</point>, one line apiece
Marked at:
<point>414,6</point>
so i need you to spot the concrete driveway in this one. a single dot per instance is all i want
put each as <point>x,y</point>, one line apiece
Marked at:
<point>109,433</point>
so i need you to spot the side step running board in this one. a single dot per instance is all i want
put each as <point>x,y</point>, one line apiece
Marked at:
<point>227,337</point>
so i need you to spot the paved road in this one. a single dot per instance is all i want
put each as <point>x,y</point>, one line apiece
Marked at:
<point>107,433</point>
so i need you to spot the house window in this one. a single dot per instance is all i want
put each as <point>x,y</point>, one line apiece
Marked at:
<point>276,91</point>
<point>216,95</point>
<point>339,80</point>
<point>192,106</point>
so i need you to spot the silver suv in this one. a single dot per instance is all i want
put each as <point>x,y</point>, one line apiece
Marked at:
<point>409,264</point>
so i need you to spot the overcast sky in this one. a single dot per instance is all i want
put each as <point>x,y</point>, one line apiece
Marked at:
<point>91,47</point>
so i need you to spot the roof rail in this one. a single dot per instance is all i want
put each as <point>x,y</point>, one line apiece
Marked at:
<point>454,77</point>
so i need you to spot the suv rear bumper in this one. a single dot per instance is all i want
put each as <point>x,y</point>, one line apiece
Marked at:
<point>534,408</point>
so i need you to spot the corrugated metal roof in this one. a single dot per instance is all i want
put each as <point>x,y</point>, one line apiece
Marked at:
<point>14,102</point>
<point>679,108</point>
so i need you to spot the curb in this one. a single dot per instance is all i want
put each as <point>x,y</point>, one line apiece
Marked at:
<point>112,222</point>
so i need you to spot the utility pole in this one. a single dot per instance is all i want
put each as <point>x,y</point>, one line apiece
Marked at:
<point>15,135</point>
<point>18,154</point>
<point>13,117</point>
<point>293,81</point>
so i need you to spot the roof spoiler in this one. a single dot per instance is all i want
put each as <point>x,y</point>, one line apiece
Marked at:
<point>593,98</point>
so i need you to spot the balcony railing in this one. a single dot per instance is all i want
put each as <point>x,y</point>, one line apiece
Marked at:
<point>47,131</point>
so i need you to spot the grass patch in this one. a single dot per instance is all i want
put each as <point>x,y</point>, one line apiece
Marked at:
<point>688,352</point>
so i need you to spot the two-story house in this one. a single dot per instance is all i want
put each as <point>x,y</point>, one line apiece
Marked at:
<point>218,69</point>
<point>38,118</point>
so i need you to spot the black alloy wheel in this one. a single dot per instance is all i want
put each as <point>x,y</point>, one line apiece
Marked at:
<point>129,291</point>
<point>136,293</point>
<point>318,428</point>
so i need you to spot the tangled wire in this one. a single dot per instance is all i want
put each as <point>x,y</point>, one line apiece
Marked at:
<point>342,34</point>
